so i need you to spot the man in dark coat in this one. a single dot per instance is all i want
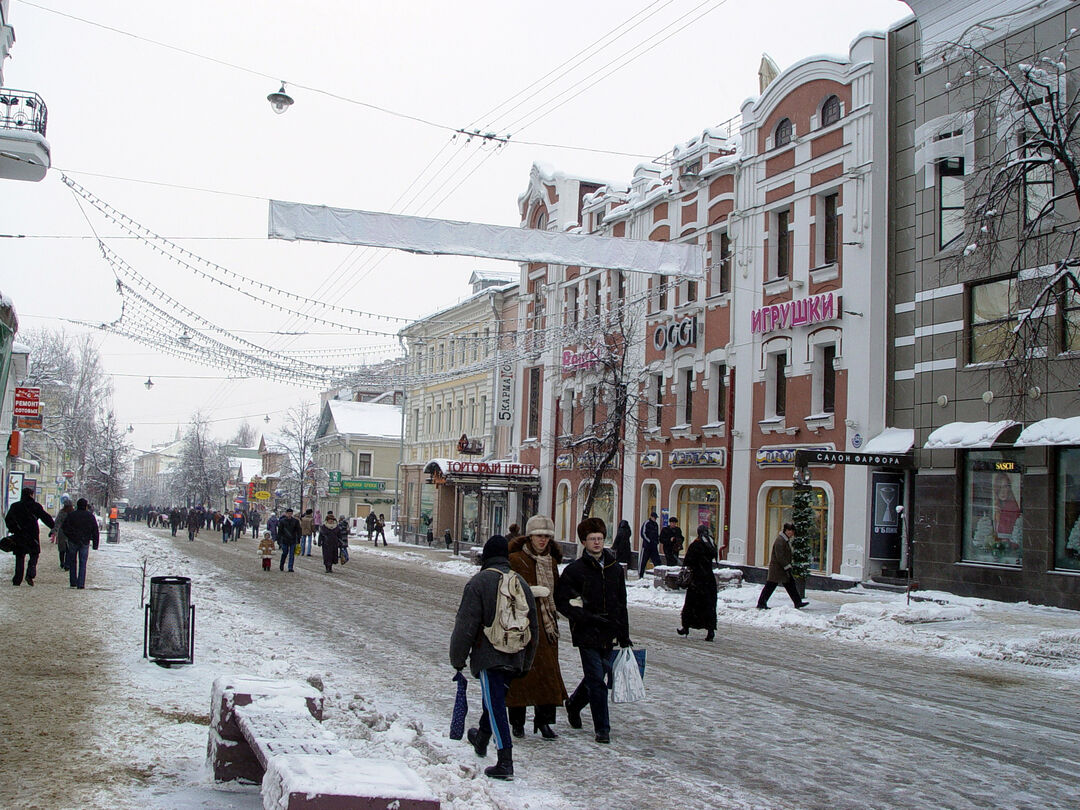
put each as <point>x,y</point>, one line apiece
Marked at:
<point>780,570</point>
<point>288,535</point>
<point>650,544</point>
<point>81,529</point>
<point>194,521</point>
<point>671,540</point>
<point>22,521</point>
<point>493,667</point>
<point>591,593</point>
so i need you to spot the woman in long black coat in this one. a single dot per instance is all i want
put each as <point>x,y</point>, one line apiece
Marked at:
<point>699,609</point>
<point>621,544</point>
<point>330,540</point>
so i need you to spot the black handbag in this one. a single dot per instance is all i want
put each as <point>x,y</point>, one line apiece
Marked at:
<point>683,578</point>
<point>8,544</point>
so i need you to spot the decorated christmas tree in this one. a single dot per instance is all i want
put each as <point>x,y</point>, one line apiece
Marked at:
<point>806,533</point>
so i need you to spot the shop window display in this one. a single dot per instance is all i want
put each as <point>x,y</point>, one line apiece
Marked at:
<point>993,523</point>
<point>1067,530</point>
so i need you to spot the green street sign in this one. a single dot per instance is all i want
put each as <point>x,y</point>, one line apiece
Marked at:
<point>335,477</point>
<point>355,484</point>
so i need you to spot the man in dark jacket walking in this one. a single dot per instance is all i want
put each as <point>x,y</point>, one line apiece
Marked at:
<point>82,532</point>
<point>671,541</point>
<point>493,667</point>
<point>288,535</point>
<point>650,544</point>
<point>22,521</point>
<point>591,593</point>
<point>780,570</point>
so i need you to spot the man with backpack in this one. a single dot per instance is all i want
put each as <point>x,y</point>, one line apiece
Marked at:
<point>496,630</point>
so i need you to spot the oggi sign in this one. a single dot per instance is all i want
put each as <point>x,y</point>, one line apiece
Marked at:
<point>678,335</point>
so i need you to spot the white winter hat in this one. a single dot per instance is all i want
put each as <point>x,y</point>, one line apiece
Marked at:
<point>540,524</point>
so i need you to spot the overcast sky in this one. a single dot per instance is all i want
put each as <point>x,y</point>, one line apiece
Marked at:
<point>160,110</point>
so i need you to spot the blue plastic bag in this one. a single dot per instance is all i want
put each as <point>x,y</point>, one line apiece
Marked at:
<point>461,707</point>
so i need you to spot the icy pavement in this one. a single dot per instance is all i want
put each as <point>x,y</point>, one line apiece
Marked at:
<point>858,701</point>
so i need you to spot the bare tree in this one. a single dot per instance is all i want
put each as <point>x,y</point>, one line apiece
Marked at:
<point>201,471</point>
<point>246,435</point>
<point>297,436</point>
<point>1023,209</point>
<point>107,461</point>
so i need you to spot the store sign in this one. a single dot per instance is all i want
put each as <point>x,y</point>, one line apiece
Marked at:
<point>885,529</point>
<point>504,469</point>
<point>677,335</point>
<point>504,406</point>
<point>564,461</point>
<point>262,495</point>
<point>808,455</point>
<point>574,361</point>
<point>592,459</point>
<point>470,447</point>
<point>782,456</point>
<point>27,408</point>
<point>800,312</point>
<point>697,458</point>
<point>365,485</point>
<point>651,460</point>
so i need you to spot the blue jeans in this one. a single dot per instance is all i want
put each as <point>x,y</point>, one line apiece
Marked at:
<point>593,689</point>
<point>305,545</point>
<point>77,557</point>
<point>288,550</point>
<point>493,686</point>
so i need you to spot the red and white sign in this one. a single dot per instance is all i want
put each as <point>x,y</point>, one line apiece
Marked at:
<point>27,401</point>
<point>504,469</point>
<point>69,474</point>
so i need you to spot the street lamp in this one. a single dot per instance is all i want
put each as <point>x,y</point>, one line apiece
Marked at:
<point>149,383</point>
<point>280,101</point>
<point>131,428</point>
<point>267,419</point>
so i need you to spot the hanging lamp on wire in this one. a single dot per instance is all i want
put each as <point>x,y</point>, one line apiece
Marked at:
<point>280,101</point>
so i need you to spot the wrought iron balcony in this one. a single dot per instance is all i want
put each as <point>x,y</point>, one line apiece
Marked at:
<point>24,152</point>
<point>23,111</point>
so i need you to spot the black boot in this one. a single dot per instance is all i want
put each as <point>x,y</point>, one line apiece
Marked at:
<point>573,716</point>
<point>711,636</point>
<point>545,730</point>
<point>517,731</point>
<point>504,768</point>
<point>479,740</point>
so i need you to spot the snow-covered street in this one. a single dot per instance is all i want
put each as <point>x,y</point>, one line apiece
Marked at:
<point>859,701</point>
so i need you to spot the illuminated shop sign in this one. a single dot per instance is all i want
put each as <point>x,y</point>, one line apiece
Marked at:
<point>677,335</point>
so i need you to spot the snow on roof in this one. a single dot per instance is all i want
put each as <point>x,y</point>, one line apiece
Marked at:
<point>366,418</point>
<point>1052,431</point>
<point>19,348</point>
<point>891,440</point>
<point>966,435</point>
<point>494,275</point>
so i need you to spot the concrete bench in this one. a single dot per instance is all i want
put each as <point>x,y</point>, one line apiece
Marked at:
<point>270,732</point>
<point>667,576</point>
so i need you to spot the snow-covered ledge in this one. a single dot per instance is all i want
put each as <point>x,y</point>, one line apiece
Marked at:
<point>827,272</point>
<point>777,424</point>
<point>714,430</point>
<point>819,421</point>
<point>683,432</point>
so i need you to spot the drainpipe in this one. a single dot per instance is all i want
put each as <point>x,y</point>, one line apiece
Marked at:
<point>401,439</point>
<point>729,473</point>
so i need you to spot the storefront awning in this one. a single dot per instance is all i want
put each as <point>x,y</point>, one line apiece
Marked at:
<point>1049,432</point>
<point>968,435</point>
<point>502,471</point>
<point>891,440</point>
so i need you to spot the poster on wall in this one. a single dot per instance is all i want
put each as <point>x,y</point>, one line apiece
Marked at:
<point>887,492</point>
<point>14,488</point>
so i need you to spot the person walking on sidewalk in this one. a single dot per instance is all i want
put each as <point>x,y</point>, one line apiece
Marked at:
<point>591,593</point>
<point>82,533</point>
<point>650,542</point>
<point>307,533</point>
<point>194,521</point>
<point>288,535</point>
<point>57,534</point>
<point>699,607</point>
<point>780,570</point>
<point>536,556</point>
<point>380,529</point>
<point>495,668</point>
<point>22,521</point>
<point>266,550</point>
<point>330,541</point>
<point>671,541</point>
<point>621,544</point>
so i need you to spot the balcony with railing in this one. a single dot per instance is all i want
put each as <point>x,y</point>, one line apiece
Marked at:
<point>24,152</point>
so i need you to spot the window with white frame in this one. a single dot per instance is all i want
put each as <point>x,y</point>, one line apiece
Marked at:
<point>594,283</point>
<point>830,111</point>
<point>776,384</point>
<point>720,263</point>
<point>657,411</point>
<point>460,415</point>
<point>416,424</point>
<point>718,393</point>
<point>472,413</point>
<point>782,133</point>
<point>827,247</point>
<point>684,396</point>
<point>566,427</point>
<point>363,464</point>
<point>483,413</point>
<point>438,419</point>
<point>588,407</point>
<point>824,379</point>
<point>532,422</point>
<point>572,305</point>
<point>780,235</point>
<point>950,200</point>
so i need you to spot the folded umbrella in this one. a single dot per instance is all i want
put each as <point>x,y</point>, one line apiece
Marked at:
<point>461,707</point>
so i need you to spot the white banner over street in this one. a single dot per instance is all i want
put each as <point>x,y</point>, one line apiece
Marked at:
<point>320,223</point>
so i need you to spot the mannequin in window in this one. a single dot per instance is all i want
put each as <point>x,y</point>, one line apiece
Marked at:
<point>1006,509</point>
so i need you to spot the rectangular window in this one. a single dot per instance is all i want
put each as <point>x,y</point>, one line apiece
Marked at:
<point>567,426</point>
<point>460,415</point>
<point>475,346</point>
<point>828,379</point>
<point>487,342</point>
<point>588,407</point>
<point>723,264</point>
<point>442,356</point>
<point>688,396</point>
<point>483,413</point>
<point>950,200</point>
<point>994,311</point>
<point>532,426</point>
<point>596,295</point>
<point>783,244</point>
<point>719,393</point>
<point>1067,525</point>
<point>620,284</point>
<point>571,306</point>
<point>363,464</point>
<point>1070,311</point>
<point>658,401</point>
<point>661,296</point>
<point>993,524</point>
<point>416,424</point>
<point>1038,183</point>
<point>472,413</point>
<point>831,229</point>
<point>779,380</point>
<point>691,292</point>
<point>438,419</point>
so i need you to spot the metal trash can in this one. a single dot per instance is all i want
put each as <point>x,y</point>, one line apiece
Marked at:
<point>112,533</point>
<point>169,622</point>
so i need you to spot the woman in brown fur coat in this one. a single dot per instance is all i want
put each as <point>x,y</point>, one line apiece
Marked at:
<point>536,557</point>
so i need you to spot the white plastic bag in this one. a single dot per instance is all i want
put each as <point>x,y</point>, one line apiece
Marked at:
<point>626,685</point>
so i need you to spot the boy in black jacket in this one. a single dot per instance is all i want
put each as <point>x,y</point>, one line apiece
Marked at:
<point>591,593</point>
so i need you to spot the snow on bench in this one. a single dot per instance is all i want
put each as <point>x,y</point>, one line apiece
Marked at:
<point>270,731</point>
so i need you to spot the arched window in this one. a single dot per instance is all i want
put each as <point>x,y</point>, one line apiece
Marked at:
<point>698,506</point>
<point>830,111</point>
<point>541,220</point>
<point>778,502</point>
<point>782,135</point>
